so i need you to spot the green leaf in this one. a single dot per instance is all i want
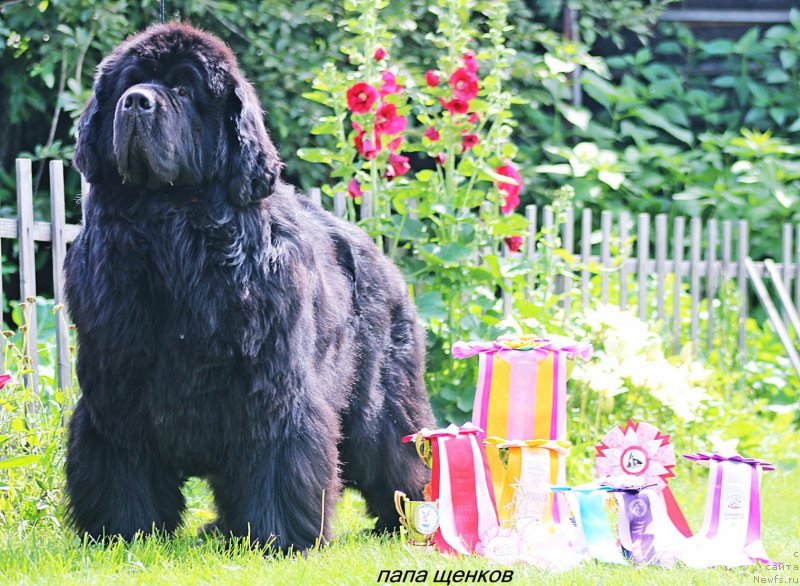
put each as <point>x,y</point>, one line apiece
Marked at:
<point>571,259</point>
<point>556,65</point>
<point>788,58</point>
<point>718,47</point>
<point>724,81</point>
<point>330,126</point>
<point>316,155</point>
<point>412,229</point>
<point>466,167</point>
<point>486,173</point>
<point>776,76</point>
<point>319,97</point>
<point>430,305</point>
<point>454,251</point>
<point>640,134</point>
<point>425,175</point>
<point>794,18</point>
<point>19,461</point>
<point>653,118</point>
<point>578,116</point>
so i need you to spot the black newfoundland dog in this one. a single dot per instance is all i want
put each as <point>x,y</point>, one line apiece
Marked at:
<point>228,327</point>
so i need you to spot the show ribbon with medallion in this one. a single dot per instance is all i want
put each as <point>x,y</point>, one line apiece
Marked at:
<point>460,484</point>
<point>531,468</point>
<point>521,392</point>
<point>646,533</point>
<point>731,530</point>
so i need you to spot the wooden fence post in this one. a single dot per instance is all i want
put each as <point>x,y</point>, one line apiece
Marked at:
<point>315,194</point>
<point>624,225</point>
<point>661,262</point>
<point>711,281</point>
<point>742,256</point>
<point>605,253</point>
<point>786,260</point>
<point>530,215</point>
<point>677,288</point>
<point>797,268</point>
<point>695,238</point>
<point>59,251</point>
<point>586,252</point>
<point>568,244</point>
<point>339,204</point>
<point>27,266</point>
<point>642,257</point>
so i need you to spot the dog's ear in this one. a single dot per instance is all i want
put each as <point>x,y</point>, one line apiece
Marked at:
<point>254,164</point>
<point>87,156</point>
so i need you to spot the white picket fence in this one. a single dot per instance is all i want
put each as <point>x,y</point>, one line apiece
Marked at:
<point>717,253</point>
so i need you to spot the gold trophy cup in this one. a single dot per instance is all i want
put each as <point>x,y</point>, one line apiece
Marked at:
<point>419,519</point>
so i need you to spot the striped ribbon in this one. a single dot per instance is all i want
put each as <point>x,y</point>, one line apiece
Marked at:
<point>531,468</point>
<point>520,395</point>
<point>461,484</point>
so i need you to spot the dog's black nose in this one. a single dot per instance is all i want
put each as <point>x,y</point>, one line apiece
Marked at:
<point>139,100</point>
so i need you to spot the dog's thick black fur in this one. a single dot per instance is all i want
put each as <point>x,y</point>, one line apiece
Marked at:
<point>228,328</point>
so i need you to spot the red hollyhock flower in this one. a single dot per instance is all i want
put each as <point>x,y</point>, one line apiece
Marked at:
<point>398,166</point>
<point>464,84</point>
<point>379,54</point>
<point>510,203</point>
<point>468,141</point>
<point>455,106</point>
<point>514,243</point>
<point>512,191</point>
<point>360,97</point>
<point>440,159</point>
<point>432,134</point>
<point>371,149</point>
<point>366,148</point>
<point>358,139</point>
<point>431,78</point>
<point>394,145</point>
<point>389,85</point>
<point>474,118</point>
<point>4,380</point>
<point>387,121</point>
<point>470,62</point>
<point>354,189</point>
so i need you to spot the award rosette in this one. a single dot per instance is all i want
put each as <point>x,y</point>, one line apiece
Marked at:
<point>731,530</point>
<point>461,485</point>
<point>521,392</point>
<point>531,468</point>
<point>588,502</point>
<point>638,456</point>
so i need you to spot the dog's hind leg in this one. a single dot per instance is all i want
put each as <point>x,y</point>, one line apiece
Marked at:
<point>282,494</point>
<point>376,461</point>
<point>115,491</point>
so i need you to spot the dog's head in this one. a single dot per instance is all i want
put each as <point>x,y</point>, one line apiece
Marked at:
<point>171,108</point>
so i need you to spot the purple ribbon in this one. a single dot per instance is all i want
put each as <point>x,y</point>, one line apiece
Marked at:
<point>639,517</point>
<point>715,504</point>
<point>754,521</point>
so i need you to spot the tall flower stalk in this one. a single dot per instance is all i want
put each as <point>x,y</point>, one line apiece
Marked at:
<point>435,137</point>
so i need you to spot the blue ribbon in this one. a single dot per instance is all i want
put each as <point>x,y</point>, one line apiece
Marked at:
<point>596,529</point>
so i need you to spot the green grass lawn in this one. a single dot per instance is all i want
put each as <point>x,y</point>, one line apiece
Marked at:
<point>59,558</point>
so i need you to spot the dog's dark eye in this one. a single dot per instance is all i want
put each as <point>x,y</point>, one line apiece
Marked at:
<point>183,92</point>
